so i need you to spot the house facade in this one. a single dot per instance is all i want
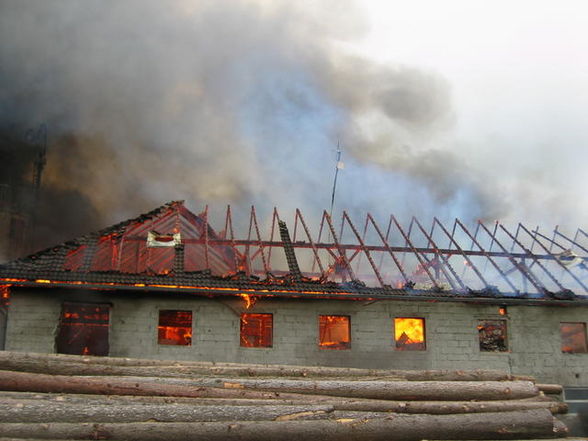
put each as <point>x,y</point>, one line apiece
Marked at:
<point>167,285</point>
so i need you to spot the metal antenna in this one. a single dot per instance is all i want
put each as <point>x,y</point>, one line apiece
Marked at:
<point>338,166</point>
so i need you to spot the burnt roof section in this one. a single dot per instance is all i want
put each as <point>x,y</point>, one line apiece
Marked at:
<point>173,249</point>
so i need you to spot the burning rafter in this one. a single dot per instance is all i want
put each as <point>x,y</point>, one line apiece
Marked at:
<point>172,246</point>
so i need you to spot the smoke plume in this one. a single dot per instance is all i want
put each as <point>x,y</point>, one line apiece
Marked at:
<point>221,101</point>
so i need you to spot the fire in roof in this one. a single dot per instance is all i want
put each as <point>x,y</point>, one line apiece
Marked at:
<point>173,248</point>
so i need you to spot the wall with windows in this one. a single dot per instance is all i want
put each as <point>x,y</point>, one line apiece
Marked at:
<point>544,341</point>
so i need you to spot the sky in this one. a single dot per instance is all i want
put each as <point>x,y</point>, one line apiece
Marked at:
<point>469,109</point>
<point>518,75</point>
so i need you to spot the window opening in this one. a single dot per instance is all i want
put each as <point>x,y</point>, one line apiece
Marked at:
<point>334,332</point>
<point>256,330</point>
<point>573,338</point>
<point>409,334</point>
<point>175,328</point>
<point>155,239</point>
<point>492,335</point>
<point>83,329</point>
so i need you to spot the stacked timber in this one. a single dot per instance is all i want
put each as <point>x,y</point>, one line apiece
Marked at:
<point>66,397</point>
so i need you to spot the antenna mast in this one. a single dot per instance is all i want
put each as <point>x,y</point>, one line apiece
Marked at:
<point>338,166</point>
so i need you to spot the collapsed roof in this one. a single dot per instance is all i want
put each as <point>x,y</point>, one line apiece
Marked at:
<point>173,249</point>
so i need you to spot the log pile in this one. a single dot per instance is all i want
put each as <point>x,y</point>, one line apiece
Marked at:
<point>65,397</point>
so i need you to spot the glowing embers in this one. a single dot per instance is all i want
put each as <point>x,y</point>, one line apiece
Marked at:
<point>257,330</point>
<point>83,329</point>
<point>573,338</point>
<point>334,332</point>
<point>492,335</point>
<point>175,328</point>
<point>409,334</point>
<point>4,296</point>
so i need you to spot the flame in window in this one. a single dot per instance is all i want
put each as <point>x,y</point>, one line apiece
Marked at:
<point>334,332</point>
<point>83,329</point>
<point>573,337</point>
<point>175,328</point>
<point>256,330</point>
<point>409,334</point>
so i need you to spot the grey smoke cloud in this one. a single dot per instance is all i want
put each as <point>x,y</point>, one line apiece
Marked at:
<point>221,102</point>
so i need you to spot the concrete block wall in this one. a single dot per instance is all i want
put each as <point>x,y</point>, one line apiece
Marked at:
<point>451,332</point>
<point>3,322</point>
<point>536,345</point>
<point>33,318</point>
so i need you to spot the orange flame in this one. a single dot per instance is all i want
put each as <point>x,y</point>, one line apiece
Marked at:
<point>249,300</point>
<point>334,332</point>
<point>175,328</point>
<point>256,330</point>
<point>5,295</point>
<point>409,332</point>
<point>235,291</point>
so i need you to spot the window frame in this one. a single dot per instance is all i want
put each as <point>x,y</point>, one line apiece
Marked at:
<point>271,336</point>
<point>80,326</point>
<point>345,345</point>
<point>408,349</point>
<point>189,340</point>
<point>506,336</point>
<point>584,333</point>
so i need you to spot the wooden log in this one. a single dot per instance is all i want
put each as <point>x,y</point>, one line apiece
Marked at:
<point>267,398</point>
<point>71,368</point>
<point>28,411</point>
<point>29,382</point>
<point>61,364</point>
<point>448,407</point>
<point>384,390</point>
<point>247,388</point>
<point>559,428</point>
<point>508,425</point>
<point>551,389</point>
<point>82,399</point>
<point>526,439</point>
<point>352,404</point>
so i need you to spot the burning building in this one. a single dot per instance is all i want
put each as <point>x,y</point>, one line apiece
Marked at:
<point>168,285</point>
